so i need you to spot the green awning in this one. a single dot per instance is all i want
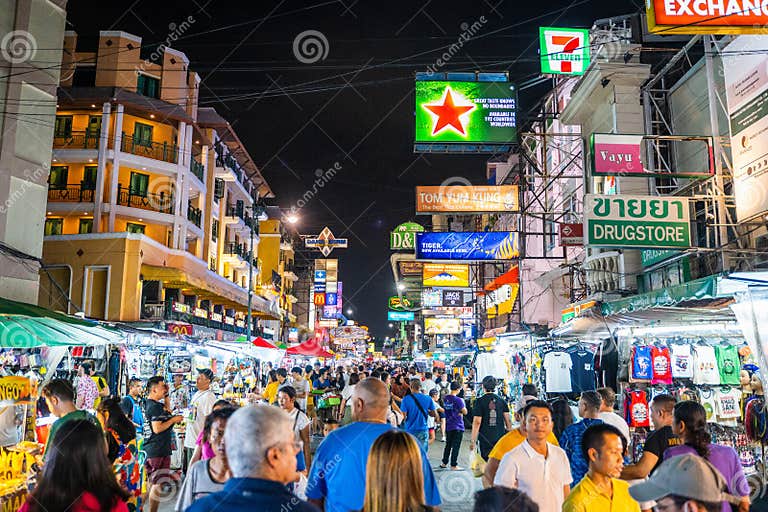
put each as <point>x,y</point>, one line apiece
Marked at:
<point>700,289</point>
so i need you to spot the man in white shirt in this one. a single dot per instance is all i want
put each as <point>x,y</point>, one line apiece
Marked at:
<point>536,467</point>
<point>202,405</point>
<point>301,385</point>
<point>606,413</point>
<point>428,384</point>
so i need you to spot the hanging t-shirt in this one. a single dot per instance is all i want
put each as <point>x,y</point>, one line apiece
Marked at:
<point>582,369</point>
<point>682,365</point>
<point>642,368</point>
<point>662,371</point>
<point>728,364</point>
<point>728,406</point>
<point>705,366</point>
<point>557,366</point>
<point>708,400</point>
<point>639,416</point>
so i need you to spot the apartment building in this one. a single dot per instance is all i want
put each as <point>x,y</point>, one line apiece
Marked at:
<point>151,198</point>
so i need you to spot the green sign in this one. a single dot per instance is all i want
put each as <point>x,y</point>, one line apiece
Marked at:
<point>564,51</point>
<point>651,257</point>
<point>395,304</point>
<point>465,112</point>
<point>403,236</point>
<point>637,221</point>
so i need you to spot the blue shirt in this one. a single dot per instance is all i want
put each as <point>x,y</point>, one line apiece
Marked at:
<point>415,421</point>
<point>338,468</point>
<point>570,441</point>
<point>321,384</point>
<point>249,494</point>
<point>132,408</point>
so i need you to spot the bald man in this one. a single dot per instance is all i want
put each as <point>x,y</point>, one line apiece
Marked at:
<point>342,457</point>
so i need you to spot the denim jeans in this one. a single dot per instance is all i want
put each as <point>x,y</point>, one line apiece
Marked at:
<point>452,446</point>
<point>423,439</point>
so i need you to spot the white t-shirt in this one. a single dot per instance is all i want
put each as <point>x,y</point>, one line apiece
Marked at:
<point>542,479</point>
<point>202,405</point>
<point>617,421</point>
<point>427,386</point>
<point>708,400</point>
<point>682,362</point>
<point>346,394</point>
<point>301,386</point>
<point>705,369</point>
<point>299,421</point>
<point>558,367</point>
<point>728,406</point>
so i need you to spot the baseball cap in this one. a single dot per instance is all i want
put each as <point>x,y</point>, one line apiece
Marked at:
<point>523,401</point>
<point>207,372</point>
<point>688,476</point>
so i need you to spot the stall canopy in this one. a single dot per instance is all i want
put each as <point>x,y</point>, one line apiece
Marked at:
<point>27,326</point>
<point>308,348</point>
<point>260,342</point>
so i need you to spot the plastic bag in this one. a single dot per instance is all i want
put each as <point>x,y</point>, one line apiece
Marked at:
<point>477,466</point>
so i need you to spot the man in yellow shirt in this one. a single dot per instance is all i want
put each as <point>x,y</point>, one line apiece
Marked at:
<point>508,441</point>
<point>601,489</point>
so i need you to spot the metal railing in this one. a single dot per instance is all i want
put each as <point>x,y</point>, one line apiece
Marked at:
<point>71,194</point>
<point>235,249</point>
<point>167,152</point>
<point>153,312</point>
<point>197,169</point>
<point>76,140</point>
<point>161,202</point>
<point>195,215</point>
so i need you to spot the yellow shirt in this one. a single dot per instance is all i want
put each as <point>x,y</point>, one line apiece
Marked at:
<point>511,440</point>
<point>310,398</point>
<point>270,392</point>
<point>586,496</point>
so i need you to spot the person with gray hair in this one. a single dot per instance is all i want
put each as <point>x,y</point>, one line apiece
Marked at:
<point>339,465</point>
<point>261,451</point>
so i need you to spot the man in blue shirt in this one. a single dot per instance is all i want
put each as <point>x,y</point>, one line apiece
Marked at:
<point>322,382</point>
<point>570,439</point>
<point>131,406</point>
<point>417,407</point>
<point>337,478</point>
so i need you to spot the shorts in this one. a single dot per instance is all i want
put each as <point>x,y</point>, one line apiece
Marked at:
<point>442,415</point>
<point>157,468</point>
<point>431,430</point>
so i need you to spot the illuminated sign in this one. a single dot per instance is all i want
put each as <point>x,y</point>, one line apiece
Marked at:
<point>16,390</point>
<point>180,307</point>
<point>442,325</point>
<point>718,17</point>
<point>464,112</point>
<point>620,155</point>
<point>216,317</point>
<point>431,297</point>
<point>453,298</point>
<point>400,316</point>
<point>467,199</point>
<point>571,235</point>
<point>564,51</point>
<point>396,304</point>
<point>325,242</point>
<point>446,275</point>
<point>320,276</point>
<point>179,328</point>
<point>201,313</point>
<point>468,246</point>
<point>319,299</point>
<point>331,299</point>
<point>410,268</point>
<point>403,236</point>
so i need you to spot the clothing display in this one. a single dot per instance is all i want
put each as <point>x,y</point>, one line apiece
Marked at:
<point>728,364</point>
<point>582,369</point>
<point>662,365</point>
<point>705,369</point>
<point>642,367</point>
<point>557,365</point>
<point>637,411</point>
<point>682,363</point>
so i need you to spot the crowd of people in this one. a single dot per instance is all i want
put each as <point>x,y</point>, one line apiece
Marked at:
<point>374,458</point>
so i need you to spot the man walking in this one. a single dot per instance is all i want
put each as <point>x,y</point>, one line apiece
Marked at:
<point>600,489</point>
<point>570,440</point>
<point>301,385</point>
<point>537,467</point>
<point>607,414</point>
<point>491,419</point>
<point>417,408</point>
<point>454,426</point>
<point>131,406</point>
<point>202,405</point>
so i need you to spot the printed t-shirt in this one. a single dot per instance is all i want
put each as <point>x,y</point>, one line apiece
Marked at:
<point>415,420</point>
<point>728,364</point>
<point>557,366</point>
<point>638,409</point>
<point>728,406</point>
<point>705,369</point>
<point>513,439</point>
<point>582,370</point>
<point>682,363</point>
<point>642,367</point>
<point>708,400</point>
<point>453,405</point>
<point>662,371</point>
<point>202,405</point>
<point>491,408</point>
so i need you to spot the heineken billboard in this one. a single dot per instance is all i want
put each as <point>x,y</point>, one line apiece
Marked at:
<point>637,221</point>
<point>403,236</point>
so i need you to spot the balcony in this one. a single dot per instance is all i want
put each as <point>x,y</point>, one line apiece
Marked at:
<point>71,194</point>
<point>233,249</point>
<point>197,169</point>
<point>161,202</point>
<point>231,162</point>
<point>76,140</point>
<point>167,152</point>
<point>183,313</point>
<point>194,215</point>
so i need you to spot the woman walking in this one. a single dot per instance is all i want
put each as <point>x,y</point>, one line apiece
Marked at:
<point>122,448</point>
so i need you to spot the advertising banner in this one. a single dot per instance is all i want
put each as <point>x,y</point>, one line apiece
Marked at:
<point>180,328</point>
<point>16,390</point>
<point>446,275</point>
<point>651,257</point>
<point>442,325</point>
<point>320,276</point>
<point>745,64</point>
<point>403,237</point>
<point>453,298</point>
<point>400,316</point>
<point>331,299</point>
<point>718,17</point>
<point>410,268</point>
<point>465,112</point>
<point>637,221</point>
<point>620,155</point>
<point>319,299</point>
<point>564,51</point>
<point>329,311</point>
<point>431,297</point>
<point>397,304</point>
<point>468,246</point>
<point>467,199</point>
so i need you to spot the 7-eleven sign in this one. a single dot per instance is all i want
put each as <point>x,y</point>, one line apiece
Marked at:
<point>564,51</point>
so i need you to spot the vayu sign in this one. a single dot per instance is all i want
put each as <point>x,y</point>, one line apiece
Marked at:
<point>620,155</point>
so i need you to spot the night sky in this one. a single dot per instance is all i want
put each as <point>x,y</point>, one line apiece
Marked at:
<point>354,107</point>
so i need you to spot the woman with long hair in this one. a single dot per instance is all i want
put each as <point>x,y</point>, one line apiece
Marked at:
<point>394,480</point>
<point>77,476</point>
<point>562,416</point>
<point>286,399</point>
<point>122,447</point>
<point>207,476</point>
<point>345,411</point>
<point>690,426</point>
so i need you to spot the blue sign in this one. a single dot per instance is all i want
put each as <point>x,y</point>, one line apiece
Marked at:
<point>400,316</point>
<point>468,246</point>
<point>319,276</point>
<point>319,287</point>
<point>331,299</point>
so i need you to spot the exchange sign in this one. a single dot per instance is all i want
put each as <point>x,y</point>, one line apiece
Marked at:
<point>431,297</point>
<point>707,16</point>
<point>465,112</point>
<point>403,236</point>
<point>466,199</point>
<point>564,51</point>
<point>468,246</point>
<point>637,221</point>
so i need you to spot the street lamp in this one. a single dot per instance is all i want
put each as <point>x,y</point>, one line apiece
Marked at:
<point>391,325</point>
<point>292,218</point>
<point>349,312</point>
<point>400,286</point>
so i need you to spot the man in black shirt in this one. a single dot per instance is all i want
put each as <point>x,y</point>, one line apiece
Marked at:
<point>662,409</point>
<point>158,445</point>
<point>491,419</point>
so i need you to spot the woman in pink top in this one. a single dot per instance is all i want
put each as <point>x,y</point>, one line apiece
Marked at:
<point>77,477</point>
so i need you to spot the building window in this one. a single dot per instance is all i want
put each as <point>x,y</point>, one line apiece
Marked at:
<point>142,134</point>
<point>57,180</point>
<point>218,189</point>
<point>86,226</point>
<point>215,230</point>
<point>132,227</point>
<point>53,226</point>
<point>148,86</point>
<point>63,126</point>
<point>94,126</point>
<point>139,184</point>
<point>89,177</point>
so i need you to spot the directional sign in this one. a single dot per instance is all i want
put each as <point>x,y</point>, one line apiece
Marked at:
<point>325,242</point>
<point>571,234</point>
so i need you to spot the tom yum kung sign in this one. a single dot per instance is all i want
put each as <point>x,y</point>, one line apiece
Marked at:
<point>467,199</point>
<point>637,221</point>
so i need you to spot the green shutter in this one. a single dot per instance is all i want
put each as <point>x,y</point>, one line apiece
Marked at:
<point>57,180</point>
<point>139,184</point>
<point>142,134</point>
<point>86,226</point>
<point>63,126</point>
<point>53,226</point>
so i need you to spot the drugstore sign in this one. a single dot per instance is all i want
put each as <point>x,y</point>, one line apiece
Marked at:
<point>16,390</point>
<point>637,221</point>
<point>707,16</point>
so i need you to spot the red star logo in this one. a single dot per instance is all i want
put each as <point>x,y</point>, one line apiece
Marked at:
<point>449,114</point>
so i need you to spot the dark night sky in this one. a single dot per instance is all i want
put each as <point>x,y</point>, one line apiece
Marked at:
<point>355,107</point>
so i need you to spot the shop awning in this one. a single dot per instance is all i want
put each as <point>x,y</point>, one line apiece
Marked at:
<point>308,348</point>
<point>512,276</point>
<point>700,289</point>
<point>260,342</point>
